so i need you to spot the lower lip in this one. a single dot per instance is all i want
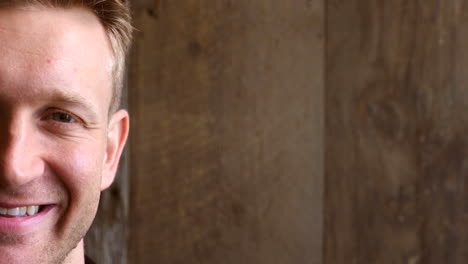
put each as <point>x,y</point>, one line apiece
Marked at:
<point>23,223</point>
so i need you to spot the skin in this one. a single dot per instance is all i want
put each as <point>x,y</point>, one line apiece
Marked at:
<point>59,145</point>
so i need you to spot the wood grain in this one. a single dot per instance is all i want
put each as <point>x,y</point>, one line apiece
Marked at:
<point>226,153</point>
<point>396,132</point>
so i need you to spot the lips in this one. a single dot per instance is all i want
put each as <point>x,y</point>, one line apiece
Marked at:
<point>17,220</point>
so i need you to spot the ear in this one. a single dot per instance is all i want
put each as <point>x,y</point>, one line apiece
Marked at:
<point>116,137</point>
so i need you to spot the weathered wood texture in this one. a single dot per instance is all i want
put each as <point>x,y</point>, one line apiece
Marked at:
<point>106,241</point>
<point>396,132</point>
<point>226,158</point>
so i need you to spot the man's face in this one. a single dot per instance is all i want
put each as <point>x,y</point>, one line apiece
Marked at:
<point>58,148</point>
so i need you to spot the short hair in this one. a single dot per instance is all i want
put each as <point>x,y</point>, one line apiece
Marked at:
<point>115,17</point>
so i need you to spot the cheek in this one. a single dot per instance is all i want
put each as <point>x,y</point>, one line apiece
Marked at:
<point>79,167</point>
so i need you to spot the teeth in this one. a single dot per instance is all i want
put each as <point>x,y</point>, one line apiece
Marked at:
<point>14,211</point>
<point>32,210</point>
<point>20,211</point>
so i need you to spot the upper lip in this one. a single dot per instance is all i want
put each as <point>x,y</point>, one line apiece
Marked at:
<point>24,200</point>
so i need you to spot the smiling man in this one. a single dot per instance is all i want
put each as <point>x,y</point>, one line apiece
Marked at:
<point>61,135</point>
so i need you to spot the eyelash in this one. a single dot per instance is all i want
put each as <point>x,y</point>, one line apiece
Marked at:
<point>75,119</point>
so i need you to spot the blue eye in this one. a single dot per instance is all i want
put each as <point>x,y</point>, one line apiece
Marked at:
<point>62,117</point>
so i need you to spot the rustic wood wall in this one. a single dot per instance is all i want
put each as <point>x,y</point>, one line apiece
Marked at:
<point>226,148</point>
<point>396,132</point>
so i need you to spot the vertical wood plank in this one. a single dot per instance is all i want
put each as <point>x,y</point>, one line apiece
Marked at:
<point>226,153</point>
<point>397,126</point>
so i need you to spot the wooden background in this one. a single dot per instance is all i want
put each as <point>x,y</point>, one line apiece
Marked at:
<point>226,151</point>
<point>293,132</point>
<point>396,132</point>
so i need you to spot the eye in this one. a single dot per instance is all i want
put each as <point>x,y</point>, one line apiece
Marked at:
<point>62,117</point>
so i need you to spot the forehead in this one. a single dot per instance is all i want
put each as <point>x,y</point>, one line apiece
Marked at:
<point>50,47</point>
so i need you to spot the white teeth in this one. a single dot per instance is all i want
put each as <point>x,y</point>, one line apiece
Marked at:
<point>20,211</point>
<point>13,211</point>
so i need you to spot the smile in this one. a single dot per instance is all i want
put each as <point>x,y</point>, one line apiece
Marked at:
<point>25,219</point>
<point>19,211</point>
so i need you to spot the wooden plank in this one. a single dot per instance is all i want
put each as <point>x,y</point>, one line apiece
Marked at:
<point>226,153</point>
<point>397,126</point>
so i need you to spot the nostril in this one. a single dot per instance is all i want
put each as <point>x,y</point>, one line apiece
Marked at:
<point>20,170</point>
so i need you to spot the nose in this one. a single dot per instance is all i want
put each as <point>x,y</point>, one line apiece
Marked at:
<point>20,163</point>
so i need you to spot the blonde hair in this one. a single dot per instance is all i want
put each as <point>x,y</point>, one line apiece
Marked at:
<point>115,17</point>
